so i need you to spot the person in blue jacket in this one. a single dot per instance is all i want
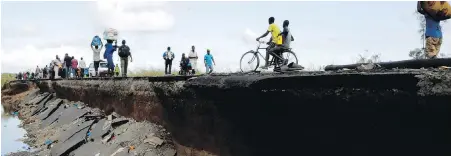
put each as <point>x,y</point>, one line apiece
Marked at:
<point>108,55</point>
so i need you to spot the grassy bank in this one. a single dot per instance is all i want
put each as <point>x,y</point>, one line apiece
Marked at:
<point>6,77</point>
<point>152,72</point>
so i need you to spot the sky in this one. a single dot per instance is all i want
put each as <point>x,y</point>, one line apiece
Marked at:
<point>32,33</point>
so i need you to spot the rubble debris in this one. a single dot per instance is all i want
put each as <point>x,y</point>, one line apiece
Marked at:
<point>69,115</point>
<point>100,129</point>
<point>71,138</point>
<point>41,104</point>
<point>51,108</point>
<point>153,141</point>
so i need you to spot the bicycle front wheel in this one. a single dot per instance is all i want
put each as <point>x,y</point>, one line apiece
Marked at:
<point>249,62</point>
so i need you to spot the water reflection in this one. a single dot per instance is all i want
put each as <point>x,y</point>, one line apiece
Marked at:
<point>11,134</point>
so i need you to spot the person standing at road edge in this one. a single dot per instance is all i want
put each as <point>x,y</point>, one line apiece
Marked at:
<point>192,55</point>
<point>57,64</point>
<point>68,64</point>
<point>168,56</point>
<point>82,66</point>
<point>209,62</point>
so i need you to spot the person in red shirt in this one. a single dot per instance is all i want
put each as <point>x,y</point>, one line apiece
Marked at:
<point>74,66</point>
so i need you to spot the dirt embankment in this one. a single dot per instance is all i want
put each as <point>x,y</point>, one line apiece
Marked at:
<point>350,113</point>
<point>13,93</point>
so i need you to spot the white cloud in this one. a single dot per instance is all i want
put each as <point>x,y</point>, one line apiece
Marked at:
<point>30,56</point>
<point>134,15</point>
<point>249,36</point>
<point>27,30</point>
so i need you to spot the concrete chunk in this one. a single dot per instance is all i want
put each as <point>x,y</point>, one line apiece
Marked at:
<point>53,117</point>
<point>51,108</point>
<point>100,129</point>
<point>69,115</point>
<point>65,135</point>
<point>41,104</point>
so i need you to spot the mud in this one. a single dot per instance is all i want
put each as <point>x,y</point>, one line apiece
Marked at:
<point>385,112</point>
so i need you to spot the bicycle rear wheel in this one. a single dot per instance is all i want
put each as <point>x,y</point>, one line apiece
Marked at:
<point>249,62</point>
<point>289,57</point>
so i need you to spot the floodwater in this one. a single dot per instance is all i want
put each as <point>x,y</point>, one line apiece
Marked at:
<point>11,134</point>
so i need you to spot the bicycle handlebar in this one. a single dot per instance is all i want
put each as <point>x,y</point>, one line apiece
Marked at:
<point>261,42</point>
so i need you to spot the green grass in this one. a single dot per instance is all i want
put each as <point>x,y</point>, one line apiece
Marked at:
<point>6,77</point>
<point>152,72</point>
<point>144,72</point>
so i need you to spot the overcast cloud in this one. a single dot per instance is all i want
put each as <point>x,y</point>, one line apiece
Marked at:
<point>33,33</point>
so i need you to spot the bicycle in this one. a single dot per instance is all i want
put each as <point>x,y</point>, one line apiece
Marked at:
<point>277,60</point>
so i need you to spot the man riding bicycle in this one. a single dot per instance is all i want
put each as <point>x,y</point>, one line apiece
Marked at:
<point>276,40</point>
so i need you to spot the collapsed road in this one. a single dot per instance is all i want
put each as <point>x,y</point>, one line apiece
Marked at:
<point>386,112</point>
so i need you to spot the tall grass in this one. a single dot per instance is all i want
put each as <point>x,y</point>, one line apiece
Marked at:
<point>6,77</point>
<point>146,72</point>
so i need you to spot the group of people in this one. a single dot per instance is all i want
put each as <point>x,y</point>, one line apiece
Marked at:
<point>188,64</point>
<point>69,67</point>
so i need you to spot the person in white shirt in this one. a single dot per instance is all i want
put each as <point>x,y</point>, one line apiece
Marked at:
<point>96,51</point>
<point>38,72</point>
<point>192,55</point>
<point>82,66</point>
<point>56,66</point>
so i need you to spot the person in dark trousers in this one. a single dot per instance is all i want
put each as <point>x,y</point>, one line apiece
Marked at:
<point>124,54</point>
<point>275,31</point>
<point>45,72</point>
<point>168,56</point>
<point>20,76</point>
<point>68,65</point>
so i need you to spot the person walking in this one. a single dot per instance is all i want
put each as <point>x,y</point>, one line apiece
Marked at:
<point>209,62</point>
<point>57,64</point>
<point>68,64</point>
<point>19,76</point>
<point>116,70</point>
<point>37,72</point>
<point>82,66</point>
<point>108,55</point>
<point>192,55</point>
<point>74,69</point>
<point>433,33</point>
<point>96,57</point>
<point>168,56</point>
<point>45,72</point>
<point>124,54</point>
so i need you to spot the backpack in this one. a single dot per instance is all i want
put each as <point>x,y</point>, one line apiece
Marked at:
<point>124,51</point>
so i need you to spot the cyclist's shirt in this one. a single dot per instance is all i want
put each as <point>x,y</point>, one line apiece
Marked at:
<point>275,31</point>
